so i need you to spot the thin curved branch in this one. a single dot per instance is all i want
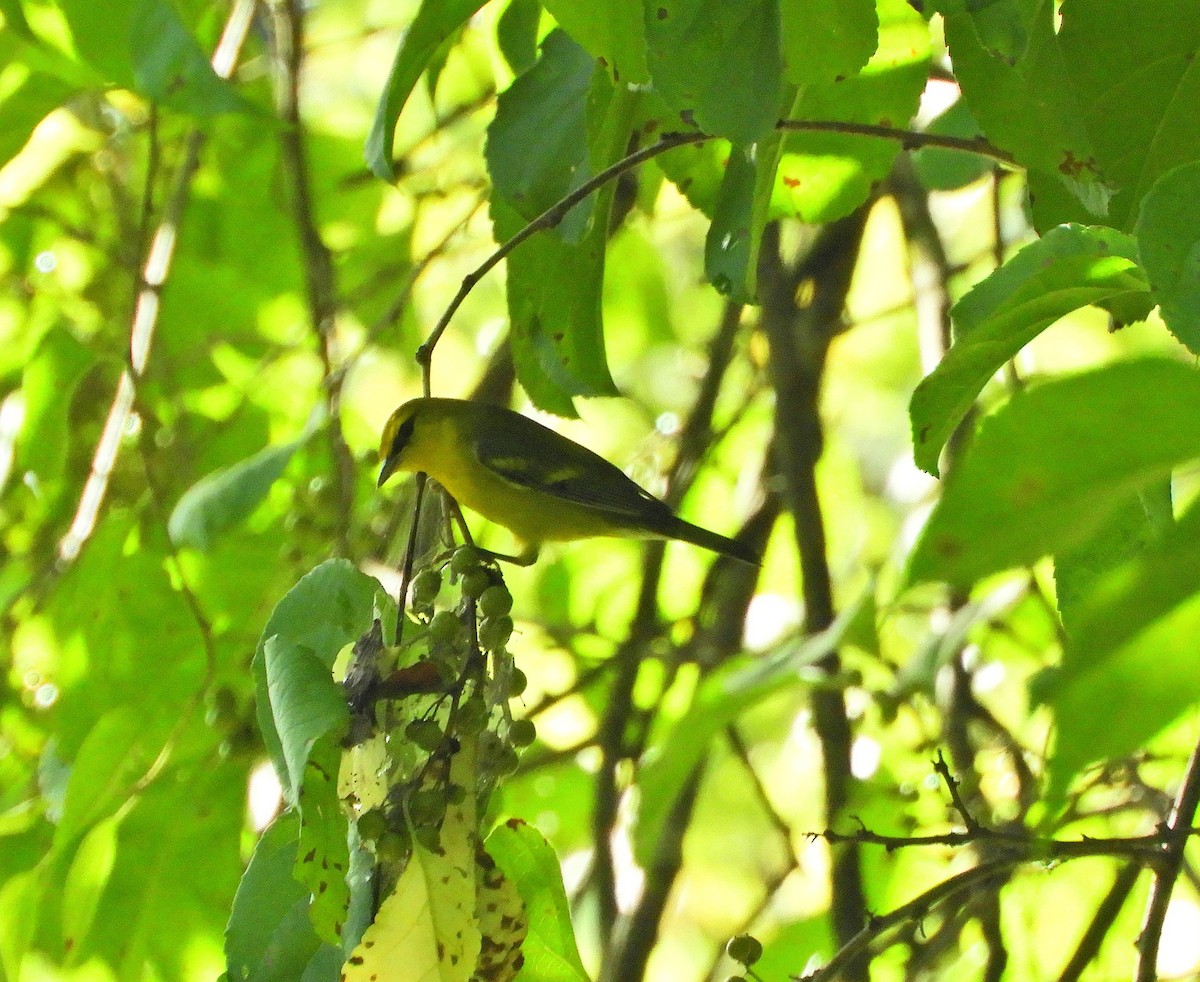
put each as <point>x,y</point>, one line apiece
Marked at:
<point>1178,830</point>
<point>548,219</point>
<point>908,139</point>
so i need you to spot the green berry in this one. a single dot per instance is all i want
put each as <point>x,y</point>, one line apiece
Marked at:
<point>393,847</point>
<point>444,627</point>
<point>522,732</point>
<point>465,558</point>
<point>372,825</point>
<point>222,712</point>
<point>495,601</point>
<point>472,715</point>
<point>476,582</point>
<point>518,682</point>
<point>745,948</point>
<point>425,587</point>
<point>429,836</point>
<point>507,761</point>
<point>427,806</point>
<point>425,733</point>
<point>494,632</point>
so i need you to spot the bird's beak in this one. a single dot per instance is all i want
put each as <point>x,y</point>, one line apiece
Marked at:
<point>386,471</point>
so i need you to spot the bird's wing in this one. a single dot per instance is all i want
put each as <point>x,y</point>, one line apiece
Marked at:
<point>552,464</point>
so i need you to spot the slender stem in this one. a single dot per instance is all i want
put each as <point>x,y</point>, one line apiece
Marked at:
<point>859,946</point>
<point>1178,828</point>
<point>799,340</point>
<point>548,219</point>
<point>320,280</point>
<point>908,139</point>
<point>1101,923</point>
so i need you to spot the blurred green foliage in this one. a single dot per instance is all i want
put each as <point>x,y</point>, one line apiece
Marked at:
<point>210,308</point>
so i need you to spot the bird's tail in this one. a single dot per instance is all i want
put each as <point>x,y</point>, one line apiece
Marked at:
<point>702,537</point>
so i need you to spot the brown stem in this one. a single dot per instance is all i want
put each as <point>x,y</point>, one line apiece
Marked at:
<point>1178,830</point>
<point>1101,923</point>
<point>908,139</point>
<point>799,341</point>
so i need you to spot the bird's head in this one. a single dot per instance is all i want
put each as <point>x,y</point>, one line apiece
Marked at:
<point>397,436</point>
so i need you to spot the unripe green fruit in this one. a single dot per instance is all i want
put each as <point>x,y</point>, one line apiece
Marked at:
<point>465,558</point>
<point>372,825</point>
<point>522,732</point>
<point>425,587</point>
<point>476,582</point>
<point>495,601</point>
<point>425,733</point>
<point>444,627</point>
<point>393,847</point>
<point>494,632</point>
<point>745,948</point>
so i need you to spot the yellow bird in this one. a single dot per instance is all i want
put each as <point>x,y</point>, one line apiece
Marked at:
<point>535,482</point>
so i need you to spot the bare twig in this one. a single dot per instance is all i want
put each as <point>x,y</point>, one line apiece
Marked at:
<point>859,946</point>
<point>1177,831</point>
<point>548,219</point>
<point>960,806</point>
<point>908,139</point>
<point>1101,923</point>
<point>799,340</point>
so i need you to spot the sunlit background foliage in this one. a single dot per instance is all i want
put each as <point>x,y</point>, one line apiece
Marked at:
<point>133,780</point>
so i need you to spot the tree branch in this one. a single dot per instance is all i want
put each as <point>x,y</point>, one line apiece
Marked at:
<point>1178,829</point>
<point>799,341</point>
<point>320,281</point>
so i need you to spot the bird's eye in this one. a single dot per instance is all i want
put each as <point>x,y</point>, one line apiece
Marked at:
<point>403,434</point>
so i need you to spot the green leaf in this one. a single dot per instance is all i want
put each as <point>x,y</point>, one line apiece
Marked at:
<point>517,33</point>
<point>610,31</point>
<point>1028,107</point>
<point>1070,267</point>
<point>144,45</point>
<point>949,170</point>
<point>115,755</point>
<point>529,862</point>
<point>269,937</point>
<point>825,176</point>
<point>306,703</point>
<point>537,147</point>
<point>721,698</point>
<point>1132,646</point>
<point>436,21</point>
<point>727,246</point>
<point>48,385</point>
<point>86,880</point>
<point>219,501</point>
<point>1168,236</point>
<point>1051,465</point>
<point>177,864</point>
<point>323,852</point>
<point>718,64</point>
<point>1100,103</point>
<point>1134,525</point>
<point>555,281</point>
<point>332,606</point>
<point>25,103</point>
<point>20,905</point>
<point>827,40</point>
<point>169,66</point>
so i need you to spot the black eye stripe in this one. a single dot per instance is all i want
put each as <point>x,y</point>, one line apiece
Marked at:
<point>403,435</point>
